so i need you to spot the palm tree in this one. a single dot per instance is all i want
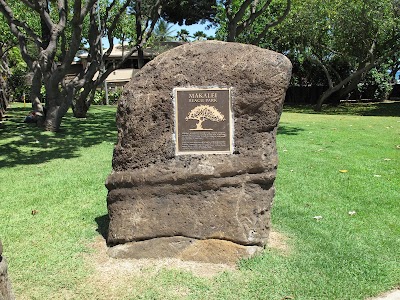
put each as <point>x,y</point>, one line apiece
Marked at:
<point>162,32</point>
<point>183,35</point>
<point>199,36</point>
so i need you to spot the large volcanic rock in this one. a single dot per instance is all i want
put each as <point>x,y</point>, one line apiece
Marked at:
<point>157,198</point>
<point>6,292</point>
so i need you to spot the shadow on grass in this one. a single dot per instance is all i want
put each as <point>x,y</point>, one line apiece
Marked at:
<point>288,130</point>
<point>26,144</point>
<point>382,109</point>
<point>102,225</point>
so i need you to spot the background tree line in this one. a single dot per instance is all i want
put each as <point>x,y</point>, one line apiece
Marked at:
<point>342,44</point>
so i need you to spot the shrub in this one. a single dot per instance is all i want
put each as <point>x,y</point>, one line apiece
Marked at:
<point>113,96</point>
<point>376,85</point>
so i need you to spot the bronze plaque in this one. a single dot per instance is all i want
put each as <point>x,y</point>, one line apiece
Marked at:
<point>203,121</point>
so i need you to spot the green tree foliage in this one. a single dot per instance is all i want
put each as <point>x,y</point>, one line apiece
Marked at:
<point>39,26</point>
<point>341,40</point>
<point>125,30</point>
<point>17,81</point>
<point>189,12</point>
<point>199,36</point>
<point>183,35</point>
<point>10,63</point>
<point>376,84</point>
<point>50,33</point>
<point>238,18</point>
<point>163,31</point>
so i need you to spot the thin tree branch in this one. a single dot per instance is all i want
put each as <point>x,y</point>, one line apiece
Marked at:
<point>241,12</point>
<point>253,16</point>
<point>113,25</point>
<point>324,68</point>
<point>274,23</point>
<point>86,9</point>
<point>15,23</point>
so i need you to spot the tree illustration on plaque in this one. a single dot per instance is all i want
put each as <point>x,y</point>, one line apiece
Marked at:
<point>202,113</point>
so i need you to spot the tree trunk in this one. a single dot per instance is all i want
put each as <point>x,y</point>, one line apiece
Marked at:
<point>139,37</point>
<point>140,57</point>
<point>54,115</point>
<point>4,90</point>
<point>3,104</point>
<point>81,105</point>
<point>80,111</point>
<point>80,108</point>
<point>3,100</point>
<point>325,95</point>
<point>53,119</point>
<point>344,86</point>
<point>231,32</point>
<point>57,105</point>
<point>351,86</point>
<point>35,95</point>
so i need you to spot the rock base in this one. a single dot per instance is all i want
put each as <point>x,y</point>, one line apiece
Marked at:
<point>187,249</point>
<point>234,209</point>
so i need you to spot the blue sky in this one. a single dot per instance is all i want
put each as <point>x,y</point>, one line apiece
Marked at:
<point>193,28</point>
<point>175,28</point>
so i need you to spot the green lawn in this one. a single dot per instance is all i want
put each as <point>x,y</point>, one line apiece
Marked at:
<point>329,166</point>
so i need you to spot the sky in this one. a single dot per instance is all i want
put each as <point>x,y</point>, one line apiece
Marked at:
<point>175,28</point>
<point>193,28</point>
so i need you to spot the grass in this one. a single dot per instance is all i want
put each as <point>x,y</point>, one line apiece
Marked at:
<point>385,108</point>
<point>61,176</point>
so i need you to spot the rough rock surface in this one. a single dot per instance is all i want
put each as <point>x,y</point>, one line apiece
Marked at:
<point>206,251</point>
<point>5,284</point>
<point>154,194</point>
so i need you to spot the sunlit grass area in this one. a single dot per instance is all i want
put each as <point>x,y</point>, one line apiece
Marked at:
<point>343,169</point>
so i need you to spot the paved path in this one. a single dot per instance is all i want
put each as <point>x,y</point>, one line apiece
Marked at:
<point>393,295</point>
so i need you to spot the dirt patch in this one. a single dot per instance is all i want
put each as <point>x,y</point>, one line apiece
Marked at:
<point>112,268</point>
<point>279,242</point>
<point>108,267</point>
<point>391,295</point>
<point>115,278</point>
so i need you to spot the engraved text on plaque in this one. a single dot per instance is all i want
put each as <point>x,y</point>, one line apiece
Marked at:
<point>203,121</point>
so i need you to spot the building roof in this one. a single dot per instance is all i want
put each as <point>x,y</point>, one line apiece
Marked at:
<point>121,75</point>
<point>120,50</point>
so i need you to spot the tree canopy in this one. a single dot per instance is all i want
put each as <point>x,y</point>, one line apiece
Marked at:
<point>335,43</point>
<point>188,12</point>
<point>237,18</point>
<point>50,33</point>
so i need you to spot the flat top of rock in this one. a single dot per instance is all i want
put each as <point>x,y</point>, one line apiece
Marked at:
<point>208,63</point>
